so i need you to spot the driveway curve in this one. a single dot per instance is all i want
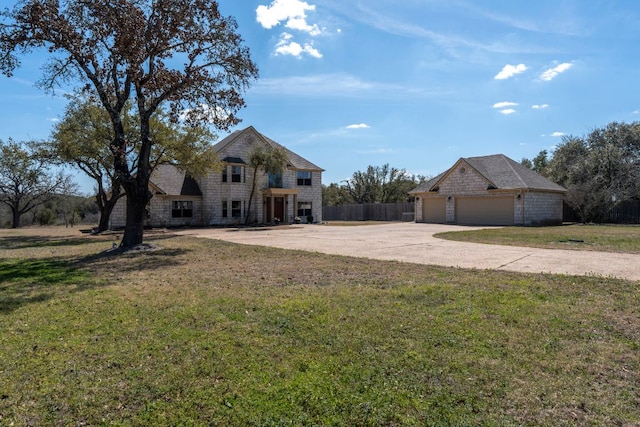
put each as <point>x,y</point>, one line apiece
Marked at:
<point>414,243</point>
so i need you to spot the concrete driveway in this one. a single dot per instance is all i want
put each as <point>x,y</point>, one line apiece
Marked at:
<point>414,243</point>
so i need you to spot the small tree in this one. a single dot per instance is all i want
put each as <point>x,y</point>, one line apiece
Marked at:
<point>25,180</point>
<point>269,160</point>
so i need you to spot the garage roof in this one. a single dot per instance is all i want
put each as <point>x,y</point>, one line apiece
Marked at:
<point>501,171</point>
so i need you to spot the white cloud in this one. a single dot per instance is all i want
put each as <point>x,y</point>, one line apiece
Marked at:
<point>510,71</point>
<point>504,104</point>
<point>359,126</point>
<point>291,12</point>
<point>286,46</point>
<point>557,134</point>
<point>540,106</point>
<point>635,112</point>
<point>552,73</point>
<point>507,111</point>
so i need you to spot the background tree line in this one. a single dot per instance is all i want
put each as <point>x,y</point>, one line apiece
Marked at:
<point>599,170</point>
<point>377,184</point>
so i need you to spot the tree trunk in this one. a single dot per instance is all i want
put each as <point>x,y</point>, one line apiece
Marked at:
<point>137,198</point>
<point>15,223</point>
<point>137,187</point>
<point>106,206</point>
<point>105,216</point>
<point>253,190</point>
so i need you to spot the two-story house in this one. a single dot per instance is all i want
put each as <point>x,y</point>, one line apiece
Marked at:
<point>222,198</point>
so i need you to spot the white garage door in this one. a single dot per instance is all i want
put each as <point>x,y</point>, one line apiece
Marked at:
<point>484,210</point>
<point>434,210</point>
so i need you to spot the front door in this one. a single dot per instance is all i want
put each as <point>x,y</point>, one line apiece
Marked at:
<point>275,205</point>
<point>278,208</point>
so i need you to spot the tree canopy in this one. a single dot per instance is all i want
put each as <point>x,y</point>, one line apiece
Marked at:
<point>83,136</point>
<point>599,169</point>
<point>378,184</point>
<point>25,180</point>
<point>182,53</point>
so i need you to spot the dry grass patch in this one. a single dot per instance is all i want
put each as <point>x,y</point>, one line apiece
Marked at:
<point>204,332</point>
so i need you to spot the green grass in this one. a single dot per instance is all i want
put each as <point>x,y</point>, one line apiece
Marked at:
<point>203,332</point>
<point>604,238</point>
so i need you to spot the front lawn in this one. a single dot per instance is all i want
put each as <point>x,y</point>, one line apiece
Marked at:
<point>203,332</point>
<point>605,238</point>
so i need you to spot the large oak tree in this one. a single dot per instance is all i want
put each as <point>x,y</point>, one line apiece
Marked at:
<point>149,52</point>
<point>83,136</point>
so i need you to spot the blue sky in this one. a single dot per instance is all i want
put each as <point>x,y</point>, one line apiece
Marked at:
<point>413,83</point>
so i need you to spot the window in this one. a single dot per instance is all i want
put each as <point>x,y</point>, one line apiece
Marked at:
<point>236,209</point>
<point>304,209</point>
<point>275,180</point>
<point>304,177</point>
<point>236,173</point>
<point>182,209</point>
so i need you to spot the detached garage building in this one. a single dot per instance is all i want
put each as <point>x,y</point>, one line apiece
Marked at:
<point>489,190</point>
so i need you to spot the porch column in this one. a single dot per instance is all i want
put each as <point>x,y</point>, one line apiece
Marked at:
<point>295,205</point>
<point>272,207</point>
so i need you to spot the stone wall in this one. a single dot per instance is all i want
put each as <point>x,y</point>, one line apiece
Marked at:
<point>543,208</point>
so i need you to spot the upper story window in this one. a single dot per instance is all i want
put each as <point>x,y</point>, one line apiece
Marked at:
<point>304,177</point>
<point>236,173</point>
<point>275,180</point>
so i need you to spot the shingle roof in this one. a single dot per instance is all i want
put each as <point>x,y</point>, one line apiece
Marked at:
<point>296,161</point>
<point>504,173</point>
<point>172,180</point>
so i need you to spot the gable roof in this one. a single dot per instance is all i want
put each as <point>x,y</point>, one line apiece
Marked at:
<point>171,180</point>
<point>295,161</point>
<point>501,171</point>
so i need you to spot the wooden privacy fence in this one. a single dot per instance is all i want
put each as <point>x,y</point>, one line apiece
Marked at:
<point>627,212</point>
<point>369,212</point>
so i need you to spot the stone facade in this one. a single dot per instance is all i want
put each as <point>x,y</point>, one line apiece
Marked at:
<point>464,181</point>
<point>225,194</point>
<point>542,208</point>
<point>531,206</point>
